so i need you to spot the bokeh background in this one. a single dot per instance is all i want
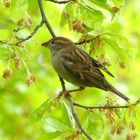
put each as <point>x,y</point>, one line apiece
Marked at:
<point>20,102</point>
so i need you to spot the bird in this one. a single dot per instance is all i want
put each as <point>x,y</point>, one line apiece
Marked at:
<point>77,67</point>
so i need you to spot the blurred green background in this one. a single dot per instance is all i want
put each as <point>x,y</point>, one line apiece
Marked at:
<point>22,115</point>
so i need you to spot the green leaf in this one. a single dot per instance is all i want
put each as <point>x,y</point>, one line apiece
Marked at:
<point>90,16</point>
<point>93,121</point>
<point>18,9</point>
<point>103,1</point>
<point>68,12</point>
<point>6,22</point>
<point>121,39</point>
<point>69,8</point>
<point>63,20</point>
<point>50,136</point>
<point>5,35</point>
<point>53,125</point>
<point>72,121</point>
<point>4,51</point>
<point>56,135</point>
<point>118,2</point>
<point>117,48</point>
<point>102,4</point>
<point>39,112</point>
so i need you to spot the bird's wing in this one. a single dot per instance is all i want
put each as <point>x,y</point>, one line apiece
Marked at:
<point>82,66</point>
<point>78,63</point>
<point>95,62</point>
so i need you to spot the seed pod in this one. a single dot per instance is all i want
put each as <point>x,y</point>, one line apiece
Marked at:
<point>131,136</point>
<point>78,26</point>
<point>28,22</point>
<point>115,9</point>
<point>7,3</point>
<point>30,80</point>
<point>122,65</point>
<point>13,55</point>
<point>132,125</point>
<point>17,62</point>
<point>113,129</point>
<point>7,73</point>
<point>20,22</point>
<point>120,128</point>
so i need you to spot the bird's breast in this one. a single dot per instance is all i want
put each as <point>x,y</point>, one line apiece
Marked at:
<point>58,66</point>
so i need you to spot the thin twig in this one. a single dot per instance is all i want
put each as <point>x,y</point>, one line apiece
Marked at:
<point>60,2</point>
<point>44,19</point>
<point>3,42</point>
<point>68,97</point>
<point>106,107</point>
<point>27,38</point>
<point>34,31</point>
<point>8,43</point>
<point>85,41</point>
<point>99,107</point>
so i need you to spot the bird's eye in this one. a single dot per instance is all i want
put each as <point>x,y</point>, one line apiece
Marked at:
<point>52,42</point>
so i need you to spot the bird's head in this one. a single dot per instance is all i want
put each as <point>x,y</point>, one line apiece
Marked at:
<point>58,43</point>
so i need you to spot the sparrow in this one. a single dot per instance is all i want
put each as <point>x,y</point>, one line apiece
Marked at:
<point>77,67</point>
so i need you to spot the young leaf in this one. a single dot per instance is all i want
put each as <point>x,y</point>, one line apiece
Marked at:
<point>117,2</point>
<point>72,121</point>
<point>55,125</point>
<point>102,4</point>
<point>6,22</point>
<point>39,112</point>
<point>115,46</point>
<point>18,9</point>
<point>67,13</point>
<point>49,136</point>
<point>90,16</point>
<point>4,51</point>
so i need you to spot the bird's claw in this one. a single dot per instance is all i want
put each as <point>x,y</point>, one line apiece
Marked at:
<point>65,93</point>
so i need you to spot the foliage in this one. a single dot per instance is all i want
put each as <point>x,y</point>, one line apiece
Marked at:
<point>29,85</point>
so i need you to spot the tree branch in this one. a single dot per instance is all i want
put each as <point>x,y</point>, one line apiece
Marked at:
<point>106,107</point>
<point>84,41</point>
<point>8,43</point>
<point>72,104</point>
<point>34,31</point>
<point>62,83</point>
<point>27,38</point>
<point>68,97</point>
<point>44,19</point>
<point>99,107</point>
<point>60,2</point>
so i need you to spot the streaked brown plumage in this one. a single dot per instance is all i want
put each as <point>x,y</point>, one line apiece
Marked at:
<point>77,67</point>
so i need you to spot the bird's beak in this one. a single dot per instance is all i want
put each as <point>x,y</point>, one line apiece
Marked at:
<point>45,44</point>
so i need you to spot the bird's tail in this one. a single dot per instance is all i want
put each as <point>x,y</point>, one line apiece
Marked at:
<point>114,90</point>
